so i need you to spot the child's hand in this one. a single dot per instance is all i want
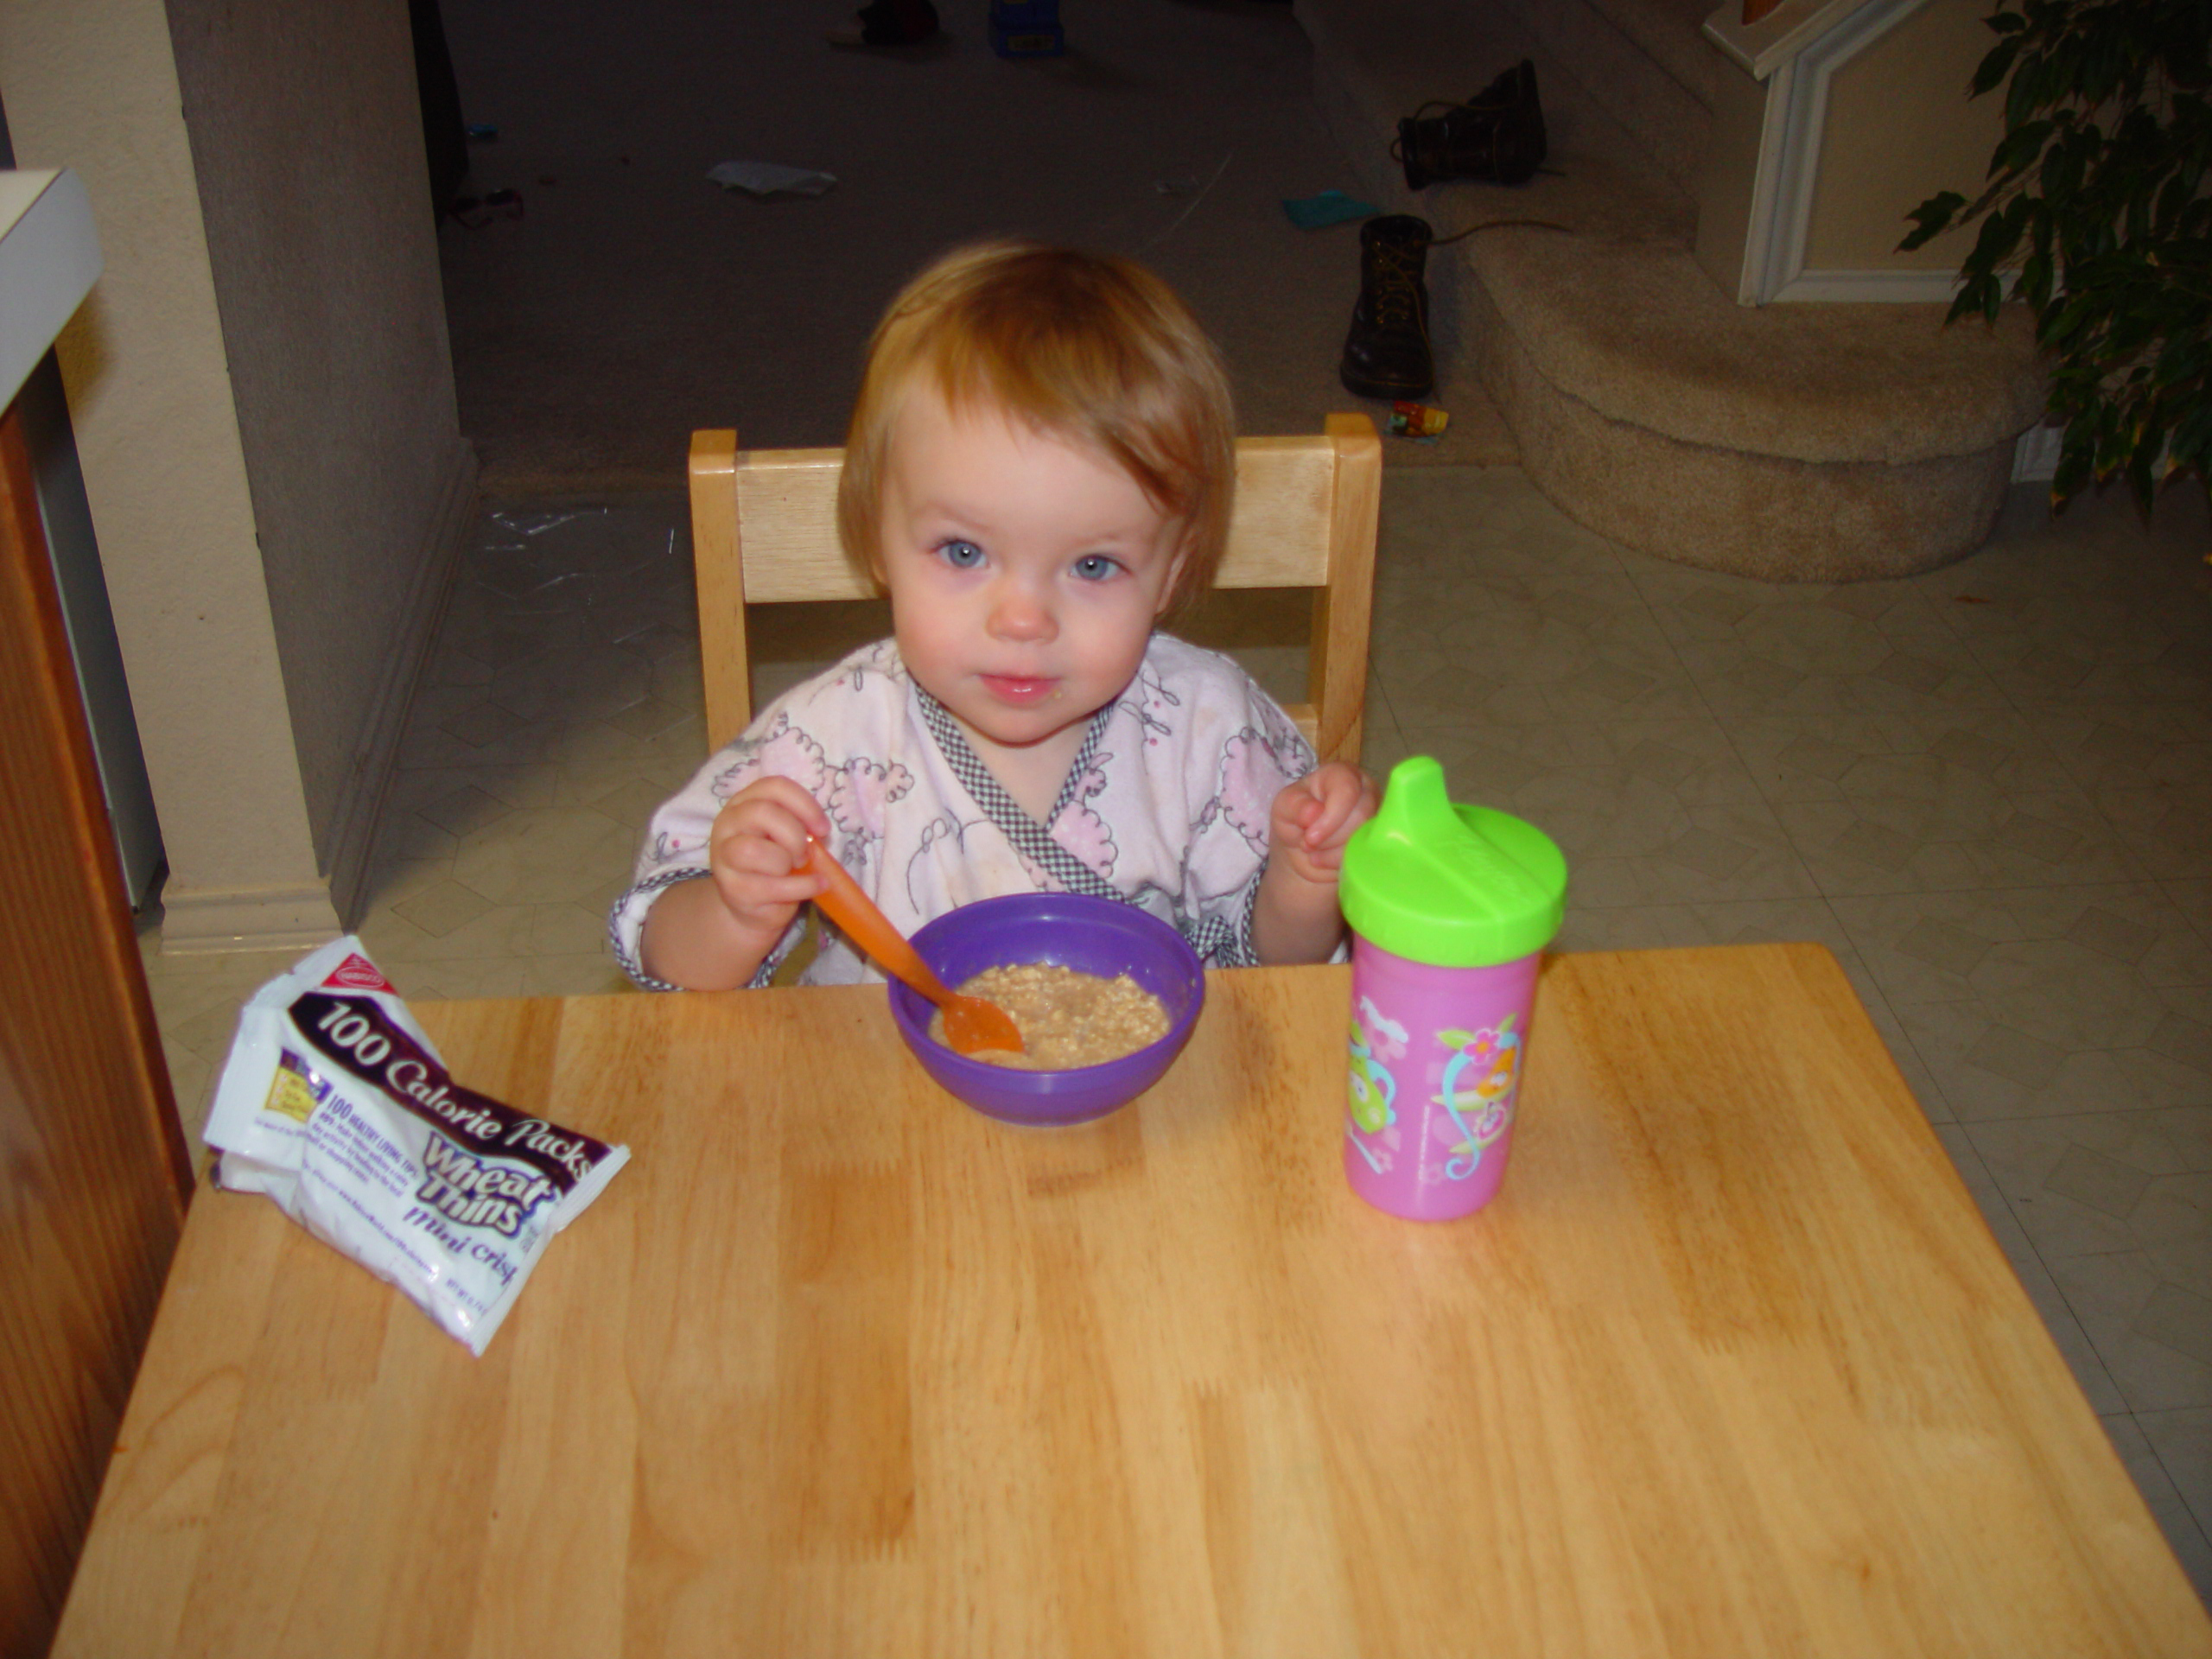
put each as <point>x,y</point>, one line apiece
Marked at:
<point>1296,917</point>
<point>757,855</point>
<point>1313,819</point>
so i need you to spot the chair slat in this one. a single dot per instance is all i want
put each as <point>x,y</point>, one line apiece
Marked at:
<point>1305,517</point>
<point>1337,671</point>
<point>1279,535</point>
<point>718,576</point>
<point>787,501</point>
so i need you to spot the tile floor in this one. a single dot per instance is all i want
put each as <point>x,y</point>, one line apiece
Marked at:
<point>1987,789</point>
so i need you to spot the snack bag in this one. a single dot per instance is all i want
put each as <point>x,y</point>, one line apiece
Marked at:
<point>334,1104</point>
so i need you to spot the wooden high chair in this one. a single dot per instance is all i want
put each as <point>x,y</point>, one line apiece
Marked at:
<point>764,531</point>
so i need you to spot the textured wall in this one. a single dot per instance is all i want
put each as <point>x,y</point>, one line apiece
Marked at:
<point>1900,127</point>
<point>308,150</point>
<point>92,85</point>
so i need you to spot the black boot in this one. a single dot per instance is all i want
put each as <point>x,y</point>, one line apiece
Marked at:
<point>1496,135</point>
<point>1386,353</point>
<point>888,22</point>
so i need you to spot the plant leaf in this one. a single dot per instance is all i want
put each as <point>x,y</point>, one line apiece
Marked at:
<point>1995,66</point>
<point>1932,218</point>
<point>2149,439</point>
<point>2074,455</point>
<point>2020,98</point>
<point>2020,147</point>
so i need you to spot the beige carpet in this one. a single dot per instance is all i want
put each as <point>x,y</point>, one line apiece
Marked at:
<point>634,300</point>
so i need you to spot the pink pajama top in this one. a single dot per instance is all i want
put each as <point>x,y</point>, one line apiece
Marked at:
<point>1165,806</point>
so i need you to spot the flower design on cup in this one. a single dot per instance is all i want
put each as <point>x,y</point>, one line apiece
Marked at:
<point>1477,1092</point>
<point>1374,1091</point>
<point>1387,1037</point>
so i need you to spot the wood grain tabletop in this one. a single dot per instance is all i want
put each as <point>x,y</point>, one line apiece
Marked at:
<point>1732,1366</point>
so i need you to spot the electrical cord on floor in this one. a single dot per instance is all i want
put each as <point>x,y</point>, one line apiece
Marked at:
<point>1500,225</point>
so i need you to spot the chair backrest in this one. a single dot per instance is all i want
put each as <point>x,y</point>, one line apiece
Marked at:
<point>764,531</point>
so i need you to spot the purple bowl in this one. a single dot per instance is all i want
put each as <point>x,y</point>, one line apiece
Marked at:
<point>1066,930</point>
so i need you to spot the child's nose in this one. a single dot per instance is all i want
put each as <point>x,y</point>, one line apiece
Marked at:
<point>1019,614</point>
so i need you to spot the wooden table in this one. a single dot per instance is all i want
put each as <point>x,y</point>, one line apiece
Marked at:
<point>1732,1367</point>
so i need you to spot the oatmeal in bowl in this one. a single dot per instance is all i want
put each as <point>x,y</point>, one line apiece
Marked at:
<point>1066,1018</point>
<point>1088,971</point>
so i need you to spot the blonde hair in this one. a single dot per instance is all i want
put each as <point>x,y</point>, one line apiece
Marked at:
<point>1091,349</point>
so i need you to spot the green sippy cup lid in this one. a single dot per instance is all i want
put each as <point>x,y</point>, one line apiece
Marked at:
<point>1453,886</point>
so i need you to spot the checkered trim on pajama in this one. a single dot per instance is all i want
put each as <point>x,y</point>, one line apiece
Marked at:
<point>629,963</point>
<point>1215,940</point>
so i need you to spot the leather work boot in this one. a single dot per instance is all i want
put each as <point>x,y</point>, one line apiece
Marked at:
<point>888,22</point>
<point>1496,135</point>
<point>1386,353</point>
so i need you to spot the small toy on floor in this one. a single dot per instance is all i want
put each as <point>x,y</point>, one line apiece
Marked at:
<point>1417,422</point>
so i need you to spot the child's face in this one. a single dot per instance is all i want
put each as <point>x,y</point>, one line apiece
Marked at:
<point>1025,573</point>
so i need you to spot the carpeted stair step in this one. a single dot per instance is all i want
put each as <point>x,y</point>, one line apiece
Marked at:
<point>1792,441</point>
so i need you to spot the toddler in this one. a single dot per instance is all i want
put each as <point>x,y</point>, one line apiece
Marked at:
<point>1039,469</point>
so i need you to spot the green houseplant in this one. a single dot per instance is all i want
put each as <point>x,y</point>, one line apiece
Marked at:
<point>2097,216</point>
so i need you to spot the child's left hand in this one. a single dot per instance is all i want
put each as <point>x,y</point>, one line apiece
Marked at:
<point>1313,819</point>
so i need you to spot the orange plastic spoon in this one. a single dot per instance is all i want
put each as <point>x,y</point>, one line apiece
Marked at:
<point>970,1023</point>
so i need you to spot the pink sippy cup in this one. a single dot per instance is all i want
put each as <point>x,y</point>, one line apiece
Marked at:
<point>1450,907</point>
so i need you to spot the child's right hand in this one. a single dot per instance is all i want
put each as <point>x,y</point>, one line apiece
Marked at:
<point>757,855</point>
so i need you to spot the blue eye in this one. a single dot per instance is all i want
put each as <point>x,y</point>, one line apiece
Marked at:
<point>961,555</point>
<point>1095,566</point>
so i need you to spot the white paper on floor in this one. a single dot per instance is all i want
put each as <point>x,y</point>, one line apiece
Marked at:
<point>770,178</point>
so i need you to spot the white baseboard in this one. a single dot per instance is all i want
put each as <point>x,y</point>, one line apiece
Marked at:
<point>219,920</point>
<point>360,803</point>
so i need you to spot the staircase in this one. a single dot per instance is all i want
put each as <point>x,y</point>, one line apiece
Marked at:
<point>1828,442</point>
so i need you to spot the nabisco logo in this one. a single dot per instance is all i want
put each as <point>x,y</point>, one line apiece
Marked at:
<point>358,973</point>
